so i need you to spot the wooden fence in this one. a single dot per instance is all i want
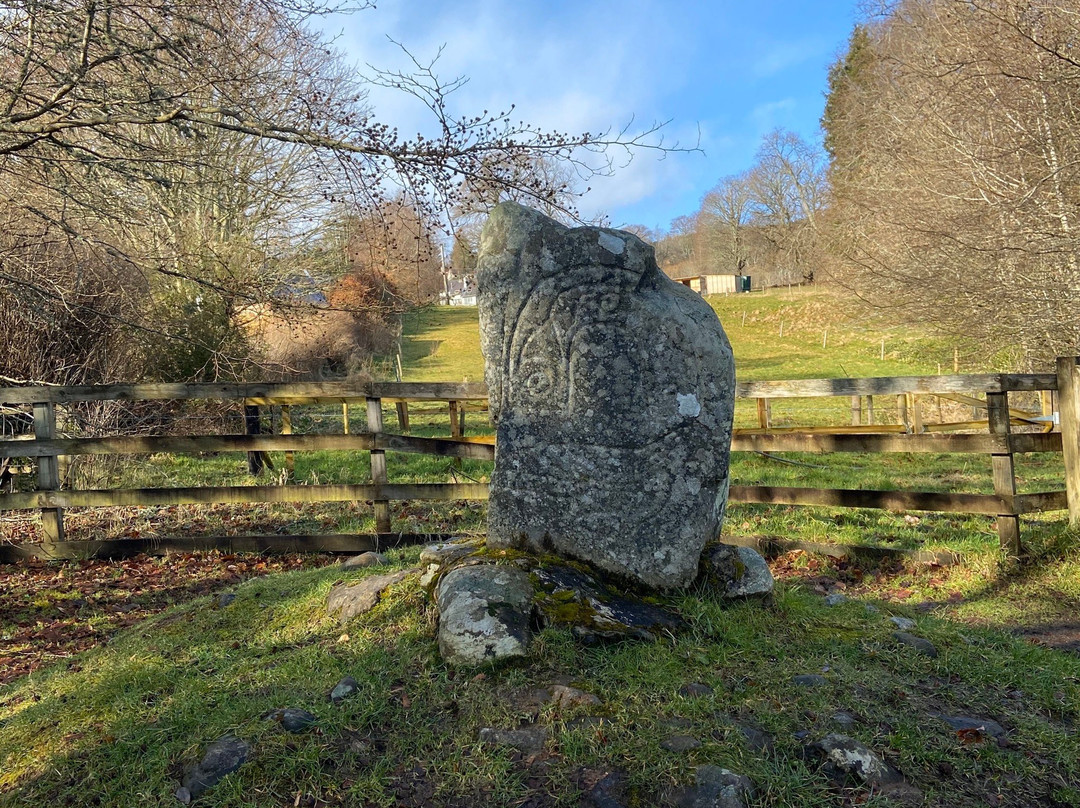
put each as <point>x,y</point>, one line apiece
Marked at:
<point>1005,432</point>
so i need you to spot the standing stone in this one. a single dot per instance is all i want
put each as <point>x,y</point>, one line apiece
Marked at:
<point>612,390</point>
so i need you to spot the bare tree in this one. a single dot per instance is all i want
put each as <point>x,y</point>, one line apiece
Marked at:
<point>198,146</point>
<point>956,170</point>
<point>725,216</point>
<point>787,186</point>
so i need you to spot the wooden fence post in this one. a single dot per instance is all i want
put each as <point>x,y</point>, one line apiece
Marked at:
<point>403,416</point>
<point>290,457</point>
<point>457,420</point>
<point>764,413</point>
<point>904,414</point>
<point>1068,393</point>
<point>378,465</point>
<point>916,414</point>
<point>253,426</point>
<point>870,410</point>
<point>48,472</point>
<point>1008,524</point>
<point>856,410</point>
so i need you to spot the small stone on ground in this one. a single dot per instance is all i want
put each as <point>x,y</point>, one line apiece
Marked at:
<point>343,689</point>
<point>293,719</point>
<point>359,597</point>
<point>223,756</point>
<point>963,723</point>
<point>527,740</point>
<point>736,572</point>
<point>695,690</point>
<point>809,680</point>
<point>902,623</point>
<point>565,697</point>
<point>852,758</point>
<point>835,599</point>
<point>680,743</point>
<point>920,644</point>
<point>756,739</point>
<point>715,788</point>
<point>368,559</point>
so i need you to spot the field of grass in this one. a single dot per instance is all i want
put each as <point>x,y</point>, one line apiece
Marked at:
<point>117,725</point>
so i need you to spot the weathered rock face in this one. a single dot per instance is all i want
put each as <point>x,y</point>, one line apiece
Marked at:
<point>484,614</point>
<point>612,389</point>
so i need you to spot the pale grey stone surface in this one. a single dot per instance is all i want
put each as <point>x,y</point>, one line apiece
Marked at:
<point>736,572</point>
<point>853,758</point>
<point>484,614</point>
<point>612,389</point>
<point>357,597</point>
<point>368,559</point>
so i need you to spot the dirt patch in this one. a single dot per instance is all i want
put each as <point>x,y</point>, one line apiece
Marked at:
<point>53,610</point>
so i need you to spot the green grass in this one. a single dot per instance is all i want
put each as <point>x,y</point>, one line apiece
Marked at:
<point>118,727</point>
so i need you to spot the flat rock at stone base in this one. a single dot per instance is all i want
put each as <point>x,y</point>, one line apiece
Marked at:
<point>920,644</point>
<point>735,572</point>
<point>528,740</point>
<point>368,559</point>
<point>715,787</point>
<point>484,614</point>
<point>612,391</point>
<point>851,758</point>
<point>595,611</point>
<point>438,559</point>
<point>449,551</point>
<point>222,757</point>
<point>347,600</point>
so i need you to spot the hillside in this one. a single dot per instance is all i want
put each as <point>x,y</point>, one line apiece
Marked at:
<point>820,339</point>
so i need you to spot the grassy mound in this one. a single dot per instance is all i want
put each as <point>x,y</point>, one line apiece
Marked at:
<point>117,725</point>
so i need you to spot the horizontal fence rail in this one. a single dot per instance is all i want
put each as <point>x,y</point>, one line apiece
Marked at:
<point>866,434</point>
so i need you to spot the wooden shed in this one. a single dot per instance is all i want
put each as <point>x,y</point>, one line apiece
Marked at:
<point>717,284</point>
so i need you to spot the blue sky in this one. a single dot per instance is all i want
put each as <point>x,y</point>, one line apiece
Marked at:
<point>727,71</point>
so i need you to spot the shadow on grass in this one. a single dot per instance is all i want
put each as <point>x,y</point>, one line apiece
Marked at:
<point>121,723</point>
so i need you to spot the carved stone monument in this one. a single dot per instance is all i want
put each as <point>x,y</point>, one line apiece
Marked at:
<point>612,390</point>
